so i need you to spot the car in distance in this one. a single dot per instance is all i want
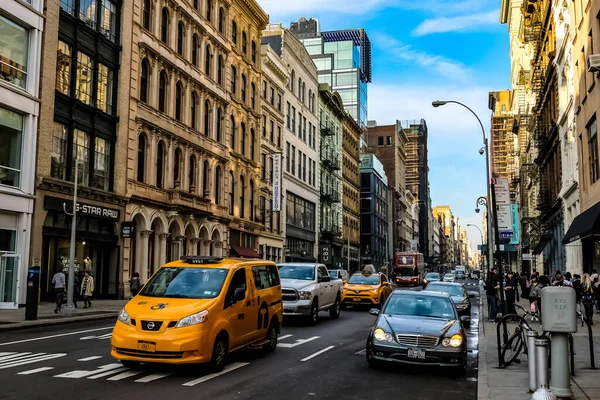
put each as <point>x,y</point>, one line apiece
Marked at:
<point>460,275</point>
<point>431,277</point>
<point>339,274</point>
<point>457,292</point>
<point>307,289</point>
<point>449,277</point>
<point>198,310</point>
<point>365,288</point>
<point>418,328</point>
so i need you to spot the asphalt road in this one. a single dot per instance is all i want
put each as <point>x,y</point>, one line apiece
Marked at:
<point>321,362</point>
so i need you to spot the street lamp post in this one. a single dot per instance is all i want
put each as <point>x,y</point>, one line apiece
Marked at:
<point>480,232</point>
<point>70,309</point>
<point>485,149</point>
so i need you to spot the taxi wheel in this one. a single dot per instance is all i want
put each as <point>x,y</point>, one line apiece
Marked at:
<point>272,338</point>
<point>334,311</point>
<point>219,354</point>
<point>314,313</point>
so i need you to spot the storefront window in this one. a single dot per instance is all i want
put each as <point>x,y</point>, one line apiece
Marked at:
<point>13,52</point>
<point>104,93</point>
<point>101,164</point>
<point>85,68</point>
<point>7,240</point>
<point>81,146</point>
<point>11,126</point>
<point>63,68</point>
<point>8,266</point>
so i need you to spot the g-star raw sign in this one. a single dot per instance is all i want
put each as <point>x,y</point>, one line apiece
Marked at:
<point>276,182</point>
<point>56,204</point>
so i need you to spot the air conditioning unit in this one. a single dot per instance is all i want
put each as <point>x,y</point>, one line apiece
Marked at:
<point>593,63</point>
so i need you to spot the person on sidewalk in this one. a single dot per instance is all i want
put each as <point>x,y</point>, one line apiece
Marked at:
<point>534,291</point>
<point>577,287</point>
<point>510,292</point>
<point>135,285</point>
<point>491,285</point>
<point>587,298</point>
<point>524,283</point>
<point>87,288</point>
<point>568,281</point>
<point>58,280</point>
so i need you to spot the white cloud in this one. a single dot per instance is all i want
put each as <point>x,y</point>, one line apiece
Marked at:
<point>456,23</point>
<point>445,7</point>
<point>289,7</point>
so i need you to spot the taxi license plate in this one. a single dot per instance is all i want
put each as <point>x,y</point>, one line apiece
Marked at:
<point>357,299</point>
<point>147,346</point>
<point>416,353</point>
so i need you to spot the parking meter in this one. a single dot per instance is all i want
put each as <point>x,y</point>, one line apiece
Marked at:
<point>33,285</point>
<point>559,317</point>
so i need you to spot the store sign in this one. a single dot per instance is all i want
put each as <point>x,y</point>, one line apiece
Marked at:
<point>326,254</point>
<point>127,229</point>
<point>503,213</point>
<point>89,210</point>
<point>501,191</point>
<point>276,182</point>
<point>514,210</point>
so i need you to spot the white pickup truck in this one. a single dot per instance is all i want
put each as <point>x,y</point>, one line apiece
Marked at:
<point>307,289</point>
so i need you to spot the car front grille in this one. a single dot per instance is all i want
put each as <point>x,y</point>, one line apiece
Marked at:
<point>289,295</point>
<point>164,355</point>
<point>417,340</point>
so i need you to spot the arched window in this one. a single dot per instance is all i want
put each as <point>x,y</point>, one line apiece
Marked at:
<point>141,161</point>
<point>252,138</point>
<point>243,138</point>
<point>205,175</point>
<point>220,65</point>
<point>231,193</point>
<point>177,168</point>
<point>144,80</point>
<point>221,20</point>
<point>192,174</point>
<point>242,196</point>
<point>253,95</point>
<point>218,185</point>
<point>233,80</point>
<point>160,165</point>
<point>209,10</point>
<point>180,37</point>
<point>251,203</point>
<point>146,12</point>
<point>207,118</point>
<point>243,87</point>
<point>178,100</point>
<point>244,42</point>
<point>193,116</point>
<point>164,25</point>
<point>253,51</point>
<point>207,60</point>
<point>232,144</point>
<point>195,50</point>
<point>234,32</point>
<point>162,91</point>
<point>219,125</point>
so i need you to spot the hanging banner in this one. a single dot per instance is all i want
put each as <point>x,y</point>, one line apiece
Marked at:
<point>515,239</point>
<point>502,191</point>
<point>276,182</point>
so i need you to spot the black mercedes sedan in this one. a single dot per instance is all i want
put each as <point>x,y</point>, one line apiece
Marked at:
<point>457,292</point>
<point>418,328</point>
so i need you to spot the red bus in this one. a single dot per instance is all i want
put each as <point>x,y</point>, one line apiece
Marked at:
<point>410,269</point>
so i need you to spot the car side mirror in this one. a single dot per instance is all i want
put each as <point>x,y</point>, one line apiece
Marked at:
<point>374,311</point>
<point>471,296</point>
<point>466,320</point>
<point>324,279</point>
<point>239,295</point>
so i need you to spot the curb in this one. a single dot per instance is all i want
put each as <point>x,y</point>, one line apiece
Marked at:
<point>54,322</point>
<point>483,384</point>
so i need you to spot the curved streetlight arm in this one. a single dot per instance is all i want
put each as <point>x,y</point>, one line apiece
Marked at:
<point>439,103</point>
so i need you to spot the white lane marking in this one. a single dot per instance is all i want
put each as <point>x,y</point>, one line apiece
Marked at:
<point>228,368</point>
<point>298,342</point>
<point>32,360</point>
<point>107,373</point>
<point>361,352</point>
<point>317,353</point>
<point>82,373</point>
<point>90,358</point>
<point>55,336</point>
<point>284,337</point>
<point>107,336</point>
<point>153,377</point>
<point>13,356</point>
<point>124,375</point>
<point>35,371</point>
<point>6,353</point>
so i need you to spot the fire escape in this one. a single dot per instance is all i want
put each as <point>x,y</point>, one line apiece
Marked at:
<point>330,183</point>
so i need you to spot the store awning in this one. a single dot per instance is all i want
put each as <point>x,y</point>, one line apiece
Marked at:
<point>583,225</point>
<point>246,252</point>
<point>539,247</point>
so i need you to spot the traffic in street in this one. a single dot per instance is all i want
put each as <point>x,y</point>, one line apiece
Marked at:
<point>310,362</point>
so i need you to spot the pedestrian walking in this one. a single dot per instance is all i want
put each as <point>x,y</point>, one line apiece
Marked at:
<point>58,280</point>
<point>534,292</point>
<point>491,285</point>
<point>135,284</point>
<point>578,289</point>
<point>568,281</point>
<point>87,288</point>
<point>587,298</point>
<point>524,284</point>
<point>510,292</point>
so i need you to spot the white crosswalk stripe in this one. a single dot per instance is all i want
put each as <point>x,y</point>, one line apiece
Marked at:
<point>124,375</point>
<point>153,377</point>
<point>90,358</point>
<point>35,371</point>
<point>27,358</point>
<point>228,368</point>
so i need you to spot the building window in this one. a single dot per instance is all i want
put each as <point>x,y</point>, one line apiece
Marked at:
<point>180,38</point>
<point>272,131</point>
<point>101,178</point>
<point>243,138</point>
<point>108,20</point>
<point>251,202</point>
<point>58,156</point>
<point>195,50</point>
<point>81,151</point>
<point>300,164</point>
<point>205,175</point>
<point>252,139</point>
<point>144,80</point>
<point>244,42</point>
<point>379,140</point>
<point>207,61</point>
<point>278,136</point>
<point>234,32</point>
<point>141,161</point>
<point>220,66</point>
<point>231,193</point>
<point>164,25</point>
<point>104,93</point>
<point>162,91</point>
<point>160,165</point>
<point>253,51</point>
<point>221,20</point>
<point>287,157</point>
<point>242,196</point>
<point>11,139</point>
<point>67,6</point>
<point>300,212</point>
<point>193,116</point>
<point>593,150</point>
<point>264,89</point>
<point>243,88</point>
<point>278,102</point>
<point>293,160</point>
<point>192,174</point>
<point>232,144</point>
<point>219,124</point>
<point>207,118</point>
<point>146,14</point>
<point>178,100</point>
<point>293,119</point>
<point>177,167</point>
<point>263,167</point>
<point>272,101</point>
<point>209,10</point>
<point>253,95</point>
<point>218,185</point>
<point>87,12</point>
<point>63,68</point>
<point>233,80</point>
<point>197,4</point>
<point>13,52</point>
<point>85,68</point>
<point>388,140</point>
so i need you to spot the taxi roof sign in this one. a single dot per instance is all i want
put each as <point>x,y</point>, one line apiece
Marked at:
<point>200,260</point>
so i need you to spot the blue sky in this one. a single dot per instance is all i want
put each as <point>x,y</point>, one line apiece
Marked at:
<point>424,50</point>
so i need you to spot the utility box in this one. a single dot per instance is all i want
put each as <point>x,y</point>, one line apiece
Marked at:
<point>559,310</point>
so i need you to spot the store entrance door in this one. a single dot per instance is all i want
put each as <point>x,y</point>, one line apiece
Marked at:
<point>9,280</point>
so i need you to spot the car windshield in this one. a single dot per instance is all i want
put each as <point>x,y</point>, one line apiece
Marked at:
<point>186,283</point>
<point>364,280</point>
<point>432,275</point>
<point>420,306</point>
<point>449,276</point>
<point>333,274</point>
<point>405,271</point>
<point>449,289</point>
<point>306,273</point>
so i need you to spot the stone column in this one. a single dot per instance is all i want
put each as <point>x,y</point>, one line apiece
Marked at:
<point>193,245</point>
<point>177,250</point>
<point>160,251</point>
<point>141,250</point>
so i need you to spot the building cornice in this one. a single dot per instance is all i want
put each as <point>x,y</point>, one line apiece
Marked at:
<point>504,7</point>
<point>257,12</point>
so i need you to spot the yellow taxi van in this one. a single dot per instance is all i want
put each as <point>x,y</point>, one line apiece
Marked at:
<point>199,309</point>
<point>366,288</point>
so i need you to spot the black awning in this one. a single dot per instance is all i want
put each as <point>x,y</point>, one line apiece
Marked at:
<point>583,225</point>
<point>539,247</point>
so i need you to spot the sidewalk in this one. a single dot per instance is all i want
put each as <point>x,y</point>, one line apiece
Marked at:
<point>101,309</point>
<point>512,382</point>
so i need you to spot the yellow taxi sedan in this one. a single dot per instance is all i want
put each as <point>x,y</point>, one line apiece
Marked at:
<point>366,289</point>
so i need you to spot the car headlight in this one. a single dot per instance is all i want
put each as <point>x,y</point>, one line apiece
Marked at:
<point>454,341</point>
<point>382,335</point>
<point>193,319</point>
<point>305,295</point>
<point>124,317</point>
<point>425,281</point>
<point>374,290</point>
